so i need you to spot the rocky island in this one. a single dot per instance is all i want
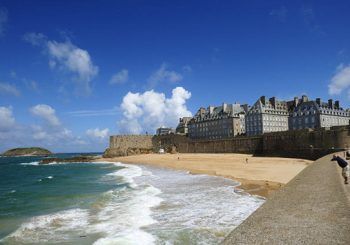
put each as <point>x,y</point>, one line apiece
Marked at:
<point>29,151</point>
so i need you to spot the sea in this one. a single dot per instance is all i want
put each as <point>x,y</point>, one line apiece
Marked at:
<point>115,203</point>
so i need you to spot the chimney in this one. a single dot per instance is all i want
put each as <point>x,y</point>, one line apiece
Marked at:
<point>330,103</point>
<point>318,101</point>
<point>211,110</point>
<point>304,98</point>
<point>263,100</point>
<point>336,104</point>
<point>273,101</point>
<point>296,101</point>
<point>224,107</point>
<point>245,108</point>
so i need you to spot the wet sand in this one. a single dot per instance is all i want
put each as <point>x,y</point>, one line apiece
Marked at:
<point>257,175</point>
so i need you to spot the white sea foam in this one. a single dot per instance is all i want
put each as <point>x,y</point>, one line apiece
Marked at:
<point>128,173</point>
<point>30,163</point>
<point>49,177</point>
<point>203,207</point>
<point>122,221</point>
<point>52,227</point>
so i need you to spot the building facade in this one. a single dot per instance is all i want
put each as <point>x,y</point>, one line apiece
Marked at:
<point>219,122</point>
<point>182,127</point>
<point>267,116</point>
<point>317,114</point>
<point>164,131</point>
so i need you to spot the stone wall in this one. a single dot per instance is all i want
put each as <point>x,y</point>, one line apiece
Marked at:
<point>124,145</point>
<point>309,144</point>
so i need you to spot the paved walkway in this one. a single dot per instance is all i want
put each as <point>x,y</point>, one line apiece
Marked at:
<point>314,208</point>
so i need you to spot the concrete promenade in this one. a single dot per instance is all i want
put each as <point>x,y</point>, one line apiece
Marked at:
<point>313,208</point>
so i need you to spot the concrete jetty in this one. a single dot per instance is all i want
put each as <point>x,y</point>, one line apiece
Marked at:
<point>313,208</point>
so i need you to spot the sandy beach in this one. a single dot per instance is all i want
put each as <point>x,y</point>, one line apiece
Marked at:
<point>258,175</point>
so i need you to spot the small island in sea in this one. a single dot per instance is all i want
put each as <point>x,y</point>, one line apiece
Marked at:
<point>27,151</point>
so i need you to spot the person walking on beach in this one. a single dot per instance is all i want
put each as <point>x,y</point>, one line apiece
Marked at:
<point>344,165</point>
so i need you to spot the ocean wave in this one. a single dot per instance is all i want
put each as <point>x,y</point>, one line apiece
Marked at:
<point>52,227</point>
<point>196,207</point>
<point>128,173</point>
<point>49,177</point>
<point>122,221</point>
<point>30,163</point>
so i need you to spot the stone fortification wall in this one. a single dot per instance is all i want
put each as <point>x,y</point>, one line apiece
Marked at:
<point>124,145</point>
<point>309,144</point>
<point>135,141</point>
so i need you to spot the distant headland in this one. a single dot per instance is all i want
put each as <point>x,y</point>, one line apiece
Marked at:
<point>28,151</point>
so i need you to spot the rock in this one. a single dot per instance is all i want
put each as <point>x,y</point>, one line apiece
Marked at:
<point>71,159</point>
<point>114,152</point>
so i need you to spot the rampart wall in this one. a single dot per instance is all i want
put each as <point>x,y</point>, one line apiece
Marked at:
<point>309,144</point>
<point>133,141</point>
<point>123,145</point>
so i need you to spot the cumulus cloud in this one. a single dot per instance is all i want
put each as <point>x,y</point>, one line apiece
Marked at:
<point>6,118</point>
<point>3,20</point>
<point>120,77</point>
<point>340,81</point>
<point>65,56</point>
<point>47,113</point>
<point>150,110</point>
<point>164,75</point>
<point>6,88</point>
<point>97,133</point>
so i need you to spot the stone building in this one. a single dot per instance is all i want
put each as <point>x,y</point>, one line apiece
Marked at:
<point>267,116</point>
<point>182,127</point>
<point>219,122</point>
<point>163,131</point>
<point>317,114</point>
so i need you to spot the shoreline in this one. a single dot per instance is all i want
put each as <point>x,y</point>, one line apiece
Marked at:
<point>261,176</point>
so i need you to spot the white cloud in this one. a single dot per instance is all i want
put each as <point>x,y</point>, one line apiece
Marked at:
<point>47,113</point>
<point>50,133</point>
<point>3,20</point>
<point>340,81</point>
<point>120,77</point>
<point>7,121</point>
<point>150,110</point>
<point>97,133</point>
<point>164,75</point>
<point>6,88</point>
<point>67,57</point>
<point>93,113</point>
<point>36,39</point>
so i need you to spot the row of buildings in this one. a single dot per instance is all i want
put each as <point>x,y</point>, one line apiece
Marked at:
<point>266,115</point>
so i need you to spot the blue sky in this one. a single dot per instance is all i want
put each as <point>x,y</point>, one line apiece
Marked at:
<point>74,72</point>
